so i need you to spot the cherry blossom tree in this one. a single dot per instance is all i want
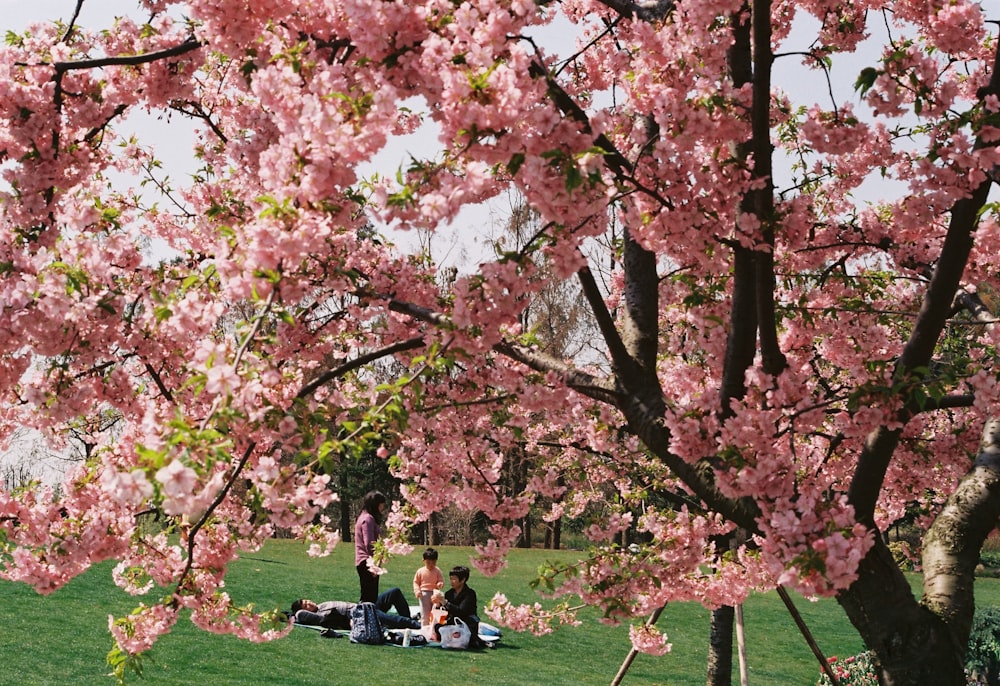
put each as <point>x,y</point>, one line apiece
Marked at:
<point>795,352</point>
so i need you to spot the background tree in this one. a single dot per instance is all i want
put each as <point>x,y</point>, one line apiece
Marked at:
<point>557,320</point>
<point>756,358</point>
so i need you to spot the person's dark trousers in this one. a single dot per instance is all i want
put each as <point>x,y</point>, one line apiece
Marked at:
<point>393,599</point>
<point>390,620</point>
<point>369,583</point>
<point>473,623</point>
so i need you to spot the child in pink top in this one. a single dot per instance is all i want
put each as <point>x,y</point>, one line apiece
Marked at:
<point>428,579</point>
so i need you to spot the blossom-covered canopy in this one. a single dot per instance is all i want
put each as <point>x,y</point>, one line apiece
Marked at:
<point>790,285</point>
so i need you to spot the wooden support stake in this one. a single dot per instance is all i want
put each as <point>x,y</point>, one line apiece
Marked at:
<point>633,652</point>
<point>808,635</point>
<point>741,646</point>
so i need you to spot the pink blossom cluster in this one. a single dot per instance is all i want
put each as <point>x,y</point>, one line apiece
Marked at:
<point>220,616</point>
<point>814,551</point>
<point>534,618</point>
<point>648,639</point>
<point>137,632</point>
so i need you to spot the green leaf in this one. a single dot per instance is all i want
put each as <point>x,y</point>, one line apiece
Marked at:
<point>516,160</point>
<point>866,79</point>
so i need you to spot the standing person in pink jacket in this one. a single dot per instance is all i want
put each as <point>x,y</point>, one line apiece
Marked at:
<point>367,530</point>
<point>428,579</point>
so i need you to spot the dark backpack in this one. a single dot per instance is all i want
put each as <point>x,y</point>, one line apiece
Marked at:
<point>365,626</point>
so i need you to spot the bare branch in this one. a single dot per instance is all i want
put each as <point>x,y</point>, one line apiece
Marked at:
<point>72,21</point>
<point>598,388</point>
<point>159,382</point>
<point>605,322</point>
<point>357,363</point>
<point>187,46</point>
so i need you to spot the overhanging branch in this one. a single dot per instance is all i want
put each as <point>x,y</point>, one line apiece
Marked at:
<point>934,313</point>
<point>357,363</point>
<point>592,386</point>
<point>187,46</point>
<point>595,387</point>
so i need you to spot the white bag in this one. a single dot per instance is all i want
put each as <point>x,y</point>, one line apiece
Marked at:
<point>455,635</point>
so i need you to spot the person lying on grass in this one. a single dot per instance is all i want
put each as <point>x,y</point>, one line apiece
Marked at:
<point>460,601</point>
<point>336,614</point>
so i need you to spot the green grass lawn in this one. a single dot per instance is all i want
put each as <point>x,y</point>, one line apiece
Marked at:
<point>63,638</point>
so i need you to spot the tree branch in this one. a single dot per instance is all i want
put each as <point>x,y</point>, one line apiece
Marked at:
<point>193,531</point>
<point>189,45</point>
<point>772,359</point>
<point>357,363</point>
<point>951,548</point>
<point>919,349</point>
<point>587,384</point>
<point>741,343</point>
<point>602,389</point>
<point>620,357</point>
<point>641,324</point>
<point>159,383</point>
<point>565,104</point>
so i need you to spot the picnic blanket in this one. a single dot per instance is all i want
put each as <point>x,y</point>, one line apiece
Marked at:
<point>488,634</point>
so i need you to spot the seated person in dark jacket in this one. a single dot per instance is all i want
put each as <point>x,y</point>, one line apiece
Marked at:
<point>460,601</point>
<point>336,614</point>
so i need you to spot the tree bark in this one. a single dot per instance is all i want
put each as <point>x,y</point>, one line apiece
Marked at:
<point>913,646</point>
<point>432,530</point>
<point>951,547</point>
<point>720,647</point>
<point>925,642</point>
<point>346,529</point>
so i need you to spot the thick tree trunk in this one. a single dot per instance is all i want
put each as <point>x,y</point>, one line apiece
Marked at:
<point>524,540</point>
<point>925,642</point>
<point>346,528</point>
<point>913,645</point>
<point>952,546</point>
<point>720,647</point>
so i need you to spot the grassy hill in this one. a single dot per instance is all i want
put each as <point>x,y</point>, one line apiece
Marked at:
<point>63,639</point>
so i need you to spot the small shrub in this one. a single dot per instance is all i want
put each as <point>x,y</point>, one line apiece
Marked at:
<point>990,558</point>
<point>982,661</point>
<point>992,542</point>
<point>857,670</point>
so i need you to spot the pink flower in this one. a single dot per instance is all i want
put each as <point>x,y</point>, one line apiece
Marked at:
<point>177,480</point>
<point>648,639</point>
<point>221,379</point>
